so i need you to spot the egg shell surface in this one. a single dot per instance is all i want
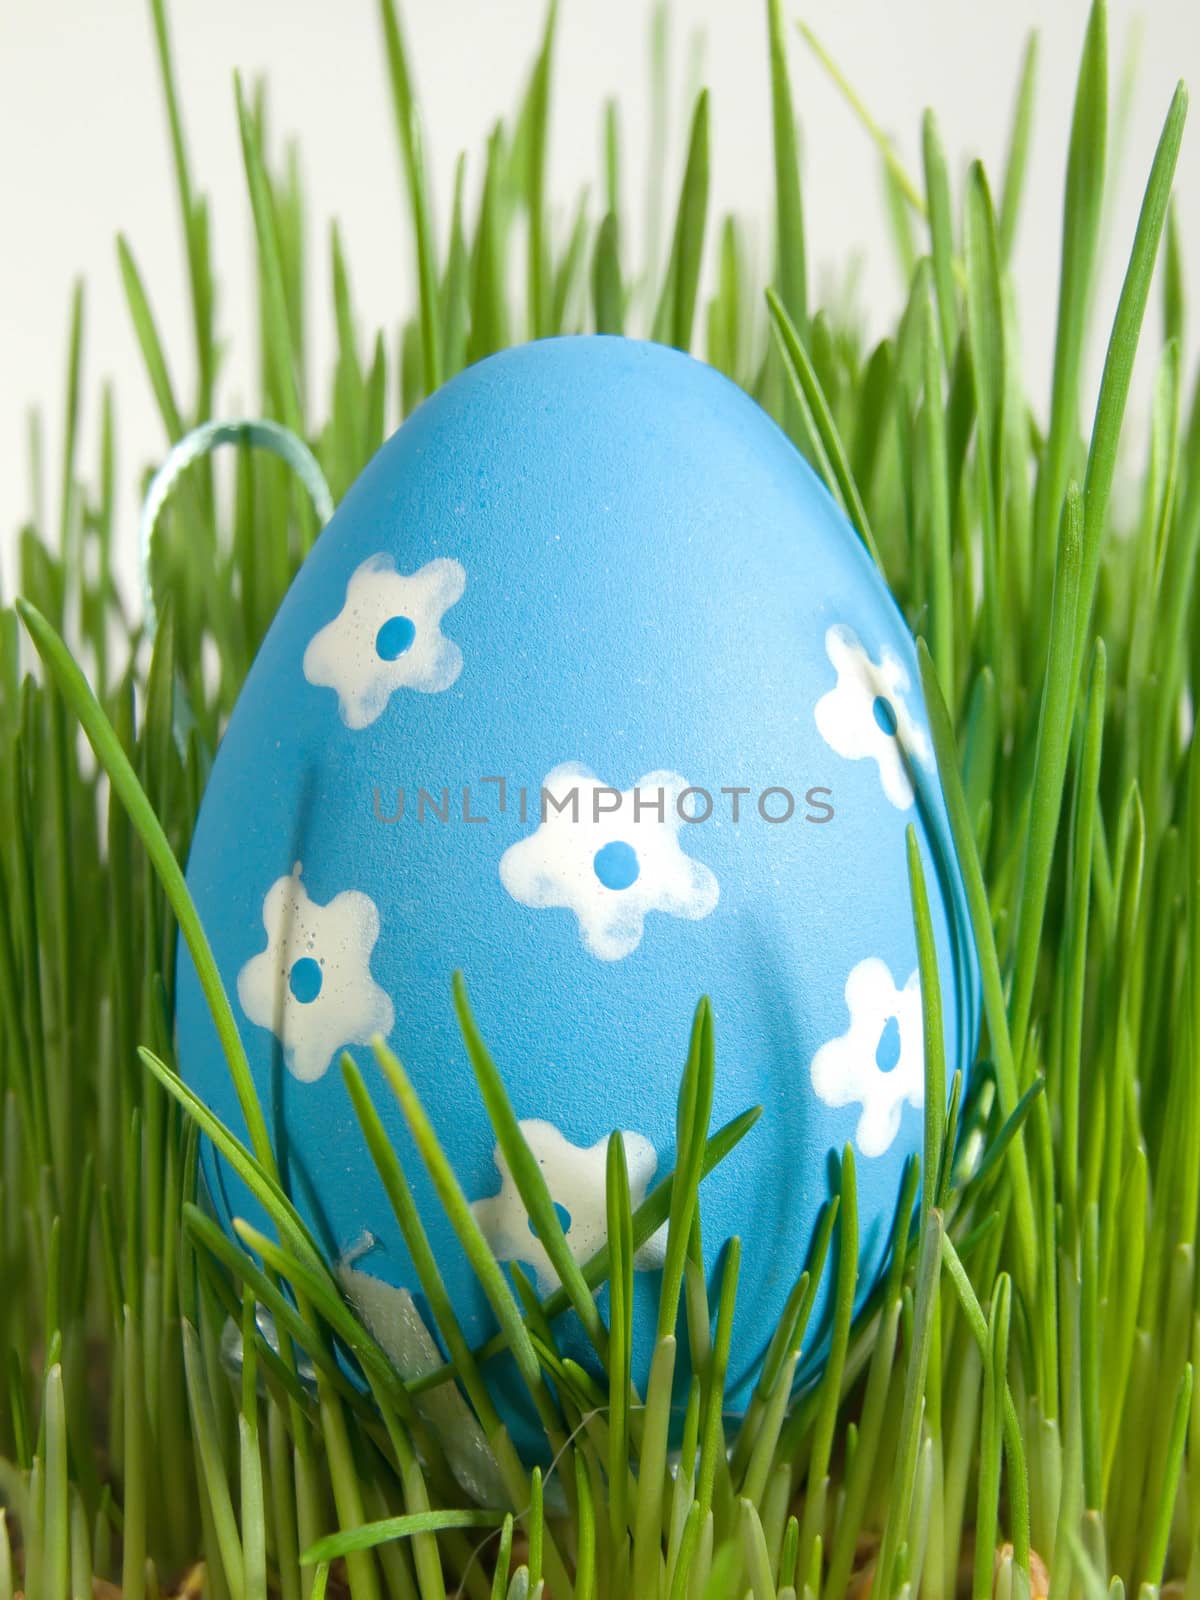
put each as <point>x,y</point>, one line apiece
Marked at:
<point>587,566</point>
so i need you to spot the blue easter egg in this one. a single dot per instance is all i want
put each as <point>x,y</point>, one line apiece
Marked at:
<point>590,690</point>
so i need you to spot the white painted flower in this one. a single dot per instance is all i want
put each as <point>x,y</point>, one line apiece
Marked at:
<point>387,636</point>
<point>312,985</point>
<point>577,1180</point>
<point>610,856</point>
<point>885,1027</point>
<point>867,715</point>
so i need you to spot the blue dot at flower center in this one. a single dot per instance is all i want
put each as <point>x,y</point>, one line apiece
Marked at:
<point>885,714</point>
<point>304,980</point>
<point>616,864</point>
<point>887,1051</point>
<point>394,638</point>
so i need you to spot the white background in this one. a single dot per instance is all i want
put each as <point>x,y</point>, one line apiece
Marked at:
<point>83,154</point>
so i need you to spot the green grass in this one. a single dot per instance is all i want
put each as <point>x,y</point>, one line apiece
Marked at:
<point>1019,1395</point>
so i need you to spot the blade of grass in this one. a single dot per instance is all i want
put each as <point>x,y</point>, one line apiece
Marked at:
<point>790,249</point>
<point>1082,202</point>
<point>527,1173</point>
<point>886,149</point>
<point>101,736</point>
<point>192,216</point>
<point>148,339</point>
<point>1049,767</point>
<point>620,1321</point>
<point>408,128</point>
<point>803,375</point>
<point>677,305</point>
<point>1018,148</point>
<point>280,352</point>
<point>691,1130</point>
<point>941,230</point>
<point>993,989</point>
<point>647,1220</point>
<point>483,1263</point>
<point>1118,361</point>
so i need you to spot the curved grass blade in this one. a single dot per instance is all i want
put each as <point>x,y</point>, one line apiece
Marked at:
<point>1018,1482</point>
<point>1051,751</point>
<point>647,1220</point>
<point>885,146</point>
<point>1012,1126</point>
<point>68,509</point>
<point>566,278</point>
<point>677,305</point>
<point>985,336</point>
<point>193,216</point>
<point>148,339</point>
<point>933,416</point>
<point>843,1312</point>
<point>483,1263</point>
<point>712,1434</point>
<point>1160,1532</point>
<point>535,121</point>
<point>992,1438</point>
<point>931,1013</point>
<point>527,1173</point>
<point>109,752</point>
<point>691,1129</point>
<point>489,311</point>
<point>1083,200</point>
<point>620,1244</point>
<point>299,1328</point>
<point>1018,148</point>
<point>322,1294</point>
<point>462,1362</point>
<point>941,230</point>
<point>208,1445</point>
<point>373,1534</point>
<point>929,1261</point>
<point>1118,362</point>
<point>791,255</point>
<point>259,1180</point>
<point>608,293</point>
<point>804,376</point>
<point>993,987</point>
<point>280,350</point>
<point>408,128</point>
<point>648,1512</point>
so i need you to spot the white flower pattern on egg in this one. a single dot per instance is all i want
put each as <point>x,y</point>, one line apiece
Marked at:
<point>867,716</point>
<point>609,868</point>
<point>847,1070</point>
<point>312,985</point>
<point>388,636</point>
<point>576,1177</point>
